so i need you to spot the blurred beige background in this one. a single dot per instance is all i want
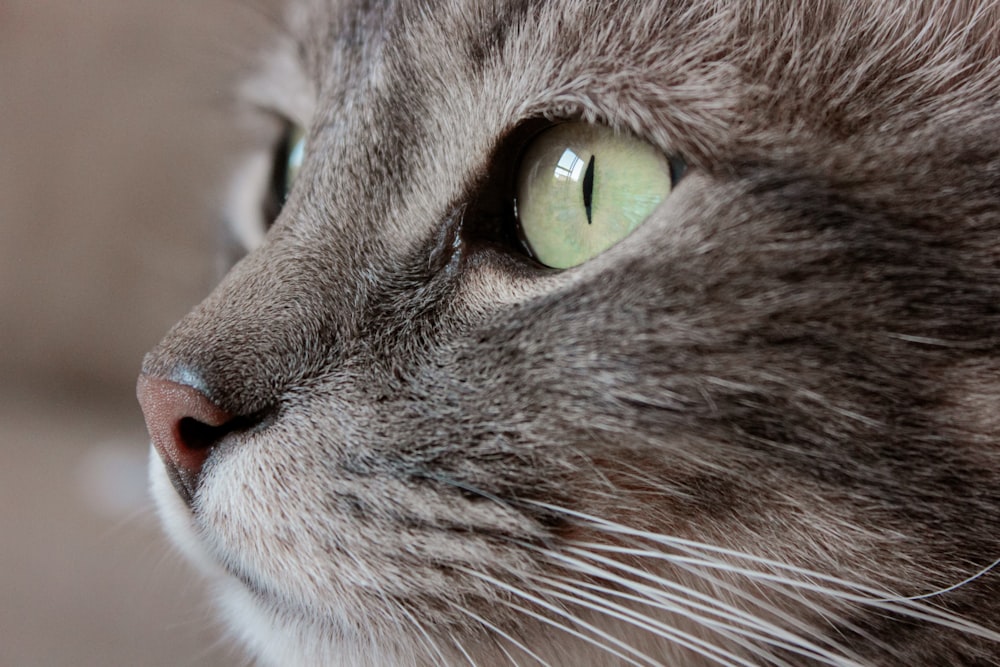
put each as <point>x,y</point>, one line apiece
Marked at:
<point>115,134</point>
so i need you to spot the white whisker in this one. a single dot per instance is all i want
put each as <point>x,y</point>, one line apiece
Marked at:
<point>726,630</point>
<point>576,633</point>
<point>510,658</point>
<point>848,591</point>
<point>836,621</point>
<point>579,595</point>
<point>426,640</point>
<point>707,604</point>
<point>949,589</point>
<point>545,604</point>
<point>697,566</point>
<point>698,548</point>
<point>490,626</point>
<point>767,632</point>
<point>458,645</point>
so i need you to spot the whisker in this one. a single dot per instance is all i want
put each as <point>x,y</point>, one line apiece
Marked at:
<point>772,634</point>
<point>506,653</point>
<point>567,629</point>
<point>696,566</point>
<point>392,607</point>
<point>728,631</point>
<point>711,604</point>
<point>578,595</point>
<point>787,586</point>
<point>427,642</point>
<point>482,621</point>
<point>545,604</point>
<point>458,645</point>
<point>951,588</point>
<point>898,605</point>
<point>698,548</point>
<point>468,488</point>
<point>853,592</point>
<point>836,621</point>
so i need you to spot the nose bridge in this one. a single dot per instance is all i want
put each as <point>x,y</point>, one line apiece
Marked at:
<point>278,314</point>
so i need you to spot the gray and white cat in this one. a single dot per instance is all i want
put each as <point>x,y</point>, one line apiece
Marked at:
<point>606,333</point>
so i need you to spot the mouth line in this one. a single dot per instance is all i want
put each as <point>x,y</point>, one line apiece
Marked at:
<point>183,484</point>
<point>231,573</point>
<point>252,586</point>
<point>282,608</point>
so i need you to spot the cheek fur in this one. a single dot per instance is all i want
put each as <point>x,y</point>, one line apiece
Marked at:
<point>757,431</point>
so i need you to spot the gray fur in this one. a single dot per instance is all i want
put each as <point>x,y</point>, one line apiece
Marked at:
<point>796,358</point>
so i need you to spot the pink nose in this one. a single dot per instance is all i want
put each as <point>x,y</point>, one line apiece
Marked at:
<point>185,426</point>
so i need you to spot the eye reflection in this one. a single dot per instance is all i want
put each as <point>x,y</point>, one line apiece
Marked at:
<point>569,166</point>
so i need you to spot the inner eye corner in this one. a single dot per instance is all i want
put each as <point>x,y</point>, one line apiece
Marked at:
<point>678,168</point>
<point>490,208</point>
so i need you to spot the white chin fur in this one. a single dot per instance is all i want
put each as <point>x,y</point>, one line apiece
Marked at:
<point>282,640</point>
<point>272,638</point>
<point>176,518</point>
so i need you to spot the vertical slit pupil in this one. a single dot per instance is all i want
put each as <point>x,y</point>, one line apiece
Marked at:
<point>588,189</point>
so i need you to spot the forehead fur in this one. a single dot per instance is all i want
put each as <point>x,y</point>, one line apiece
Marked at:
<point>687,74</point>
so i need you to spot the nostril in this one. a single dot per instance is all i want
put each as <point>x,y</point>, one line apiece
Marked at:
<point>198,436</point>
<point>185,425</point>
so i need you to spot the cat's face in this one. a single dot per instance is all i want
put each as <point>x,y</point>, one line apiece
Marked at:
<point>744,433</point>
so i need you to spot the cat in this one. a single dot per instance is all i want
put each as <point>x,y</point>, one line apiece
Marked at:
<point>578,333</point>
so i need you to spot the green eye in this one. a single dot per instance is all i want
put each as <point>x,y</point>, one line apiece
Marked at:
<point>583,188</point>
<point>287,163</point>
